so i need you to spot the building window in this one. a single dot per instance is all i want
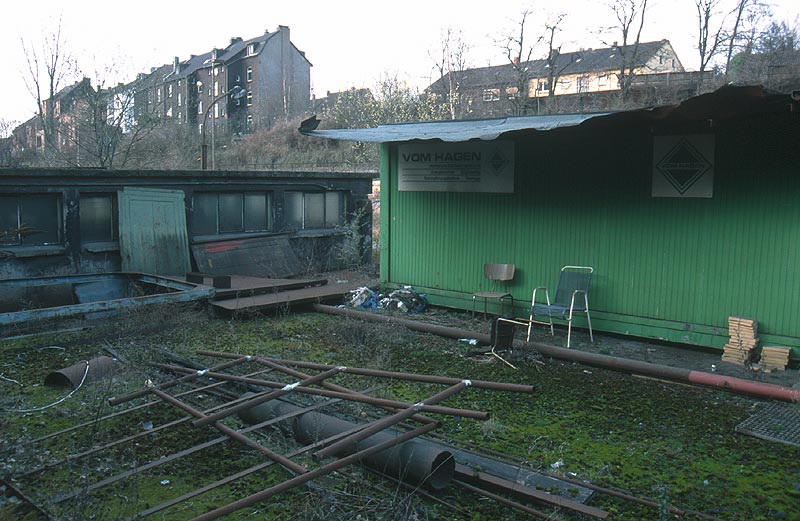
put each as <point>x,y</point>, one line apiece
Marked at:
<point>491,94</point>
<point>180,99</point>
<point>216,88</point>
<point>179,83</point>
<point>99,216</point>
<point>180,118</point>
<point>583,84</point>
<point>199,87</point>
<point>169,90</point>
<point>200,107</point>
<point>512,92</point>
<point>231,212</point>
<point>33,219</point>
<point>251,49</point>
<point>306,210</point>
<point>249,98</point>
<point>158,95</point>
<point>249,74</point>
<point>169,112</point>
<point>543,86</point>
<point>249,123</point>
<point>602,81</point>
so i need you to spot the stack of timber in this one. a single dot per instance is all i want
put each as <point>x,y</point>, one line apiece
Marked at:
<point>775,357</point>
<point>743,340</point>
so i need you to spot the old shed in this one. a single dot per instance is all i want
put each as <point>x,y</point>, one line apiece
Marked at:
<point>688,213</point>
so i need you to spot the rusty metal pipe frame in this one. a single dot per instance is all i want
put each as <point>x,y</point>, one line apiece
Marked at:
<point>425,378</point>
<point>268,395</point>
<point>319,472</point>
<point>233,434</point>
<point>379,402</point>
<point>727,383</point>
<point>385,423</point>
<point>327,385</point>
<point>166,385</point>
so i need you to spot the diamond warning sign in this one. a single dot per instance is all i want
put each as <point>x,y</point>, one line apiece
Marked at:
<point>683,166</point>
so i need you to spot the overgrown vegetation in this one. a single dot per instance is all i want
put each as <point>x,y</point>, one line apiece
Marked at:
<point>674,444</point>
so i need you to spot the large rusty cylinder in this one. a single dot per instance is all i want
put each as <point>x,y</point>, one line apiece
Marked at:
<point>99,368</point>
<point>415,461</point>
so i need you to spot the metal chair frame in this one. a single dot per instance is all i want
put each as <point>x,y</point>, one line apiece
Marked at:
<point>496,273</point>
<point>561,309</point>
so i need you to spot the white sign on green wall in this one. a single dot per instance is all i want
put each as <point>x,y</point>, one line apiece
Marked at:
<point>456,167</point>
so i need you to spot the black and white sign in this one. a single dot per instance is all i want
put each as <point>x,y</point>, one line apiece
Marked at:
<point>456,167</point>
<point>683,166</point>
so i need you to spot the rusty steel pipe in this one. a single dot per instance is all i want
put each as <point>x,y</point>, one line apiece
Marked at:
<point>269,395</point>
<point>418,461</point>
<point>321,471</point>
<point>379,402</point>
<point>98,368</point>
<point>727,383</point>
<point>233,434</point>
<point>425,378</point>
<point>385,423</point>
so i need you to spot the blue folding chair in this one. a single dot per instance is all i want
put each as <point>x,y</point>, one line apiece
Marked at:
<point>572,296</point>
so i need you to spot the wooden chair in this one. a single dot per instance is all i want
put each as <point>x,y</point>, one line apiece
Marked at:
<point>498,274</point>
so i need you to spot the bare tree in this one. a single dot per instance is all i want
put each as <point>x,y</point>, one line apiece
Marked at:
<point>49,65</point>
<point>451,64</point>
<point>519,52</point>
<point>710,33</point>
<point>554,63</point>
<point>742,34</point>
<point>630,16</point>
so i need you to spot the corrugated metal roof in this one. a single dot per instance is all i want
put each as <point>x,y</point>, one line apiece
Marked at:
<point>485,129</point>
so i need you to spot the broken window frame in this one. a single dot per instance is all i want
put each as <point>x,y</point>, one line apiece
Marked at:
<point>46,222</point>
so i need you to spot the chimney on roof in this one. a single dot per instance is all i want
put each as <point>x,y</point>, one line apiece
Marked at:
<point>614,44</point>
<point>236,39</point>
<point>176,66</point>
<point>515,60</point>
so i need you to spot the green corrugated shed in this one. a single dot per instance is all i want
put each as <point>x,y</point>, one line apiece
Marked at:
<point>665,267</point>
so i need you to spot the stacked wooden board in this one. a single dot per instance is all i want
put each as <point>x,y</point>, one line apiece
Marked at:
<point>775,357</point>
<point>743,340</point>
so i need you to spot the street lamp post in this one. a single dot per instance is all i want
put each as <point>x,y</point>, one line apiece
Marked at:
<point>203,147</point>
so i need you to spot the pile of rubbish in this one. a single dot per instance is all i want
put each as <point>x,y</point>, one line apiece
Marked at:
<point>404,299</point>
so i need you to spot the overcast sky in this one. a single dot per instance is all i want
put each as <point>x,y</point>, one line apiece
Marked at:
<point>351,43</point>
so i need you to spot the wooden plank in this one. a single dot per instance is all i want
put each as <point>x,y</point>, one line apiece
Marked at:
<point>296,296</point>
<point>244,286</point>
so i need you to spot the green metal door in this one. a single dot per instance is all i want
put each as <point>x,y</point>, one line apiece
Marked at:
<point>152,231</point>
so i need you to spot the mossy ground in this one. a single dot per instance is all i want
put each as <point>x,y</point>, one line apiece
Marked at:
<point>675,444</point>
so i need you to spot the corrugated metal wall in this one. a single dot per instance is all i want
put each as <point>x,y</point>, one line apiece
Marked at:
<point>664,267</point>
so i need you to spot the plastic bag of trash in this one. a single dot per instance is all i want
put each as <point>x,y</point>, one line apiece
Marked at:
<point>404,299</point>
<point>363,298</point>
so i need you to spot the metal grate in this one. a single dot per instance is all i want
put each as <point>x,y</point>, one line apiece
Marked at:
<point>778,422</point>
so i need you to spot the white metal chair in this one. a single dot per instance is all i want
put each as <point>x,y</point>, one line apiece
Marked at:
<point>572,296</point>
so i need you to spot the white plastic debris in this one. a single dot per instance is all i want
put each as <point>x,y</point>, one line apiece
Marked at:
<point>470,341</point>
<point>165,482</point>
<point>557,464</point>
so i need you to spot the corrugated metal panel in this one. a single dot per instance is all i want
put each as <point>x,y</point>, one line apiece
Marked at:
<point>664,267</point>
<point>152,231</point>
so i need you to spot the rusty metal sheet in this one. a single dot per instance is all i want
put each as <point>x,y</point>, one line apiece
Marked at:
<point>244,286</point>
<point>257,257</point>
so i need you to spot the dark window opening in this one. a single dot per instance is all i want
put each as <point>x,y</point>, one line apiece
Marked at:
<point>306,210</point>
<point>30,220</point>
<point>99,216</point>
<point>231,212</point>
